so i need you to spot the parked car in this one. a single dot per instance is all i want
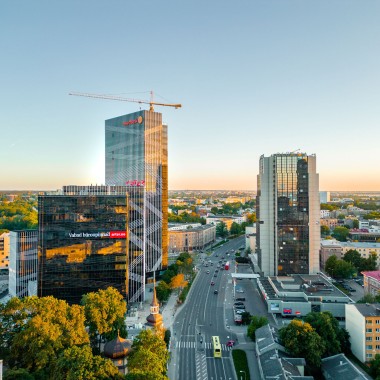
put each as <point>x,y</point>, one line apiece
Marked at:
<point>240,307</point>
<point>240,299</point>
<point>208,272</point>
<point>240,311</point>
<point>215,291</point>
<point>238,303</point>
<point>212,283</point>
<point>215,275</point>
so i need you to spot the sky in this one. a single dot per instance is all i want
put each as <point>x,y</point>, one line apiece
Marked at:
<point>254,77</point>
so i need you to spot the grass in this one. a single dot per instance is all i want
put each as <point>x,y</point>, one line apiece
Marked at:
<point>241,364</point>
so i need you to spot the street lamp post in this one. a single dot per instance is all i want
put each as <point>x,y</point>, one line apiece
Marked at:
<point>245,375</point>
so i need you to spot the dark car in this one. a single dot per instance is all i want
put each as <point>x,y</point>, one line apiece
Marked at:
<point>215,291</point>
<point>238,303</point>
<point>215,275</point>
<point>240,299</point>
<point>240,307</point>
<point>212,283</point>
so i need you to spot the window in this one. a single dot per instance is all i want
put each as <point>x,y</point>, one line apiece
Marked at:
<point>368,347</point>
<point>368,338</point>
<point>378,321</point>
<point>377,330</point>
<point>369,355</point>
<point>368,321</point>
<point>377,346</point>
<point>378,338</point>
<point>369,330</point>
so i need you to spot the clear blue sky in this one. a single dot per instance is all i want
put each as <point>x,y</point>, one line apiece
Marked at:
<point>254,77</point>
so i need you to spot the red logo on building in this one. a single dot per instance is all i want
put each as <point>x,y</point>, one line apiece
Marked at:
<point>118,234</point>
<point>136,183</point>
<point>134,121</point>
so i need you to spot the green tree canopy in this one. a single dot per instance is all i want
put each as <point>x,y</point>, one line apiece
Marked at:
<point>105,311</point>
<point>148,348</point>
<point>341,233</point>
<point>235,229</point>
<point>221,229</point>
<point>163,291</point>
<point>353,256</point>
<point>325,230</point>
<point>327,328</point>
<point>78,363</point>
<point>48,327</point>
<point>301,340</point>
<point>374,367</point>
<point>256,322</point>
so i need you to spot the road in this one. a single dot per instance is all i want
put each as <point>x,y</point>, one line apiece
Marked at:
<point>201,317</point>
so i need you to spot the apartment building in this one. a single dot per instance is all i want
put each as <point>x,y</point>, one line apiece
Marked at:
<point>371,282</point>
<point>363,325</point>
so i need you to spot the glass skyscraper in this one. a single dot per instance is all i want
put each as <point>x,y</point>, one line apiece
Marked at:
<point>288,231</point>
<point>137,157</point>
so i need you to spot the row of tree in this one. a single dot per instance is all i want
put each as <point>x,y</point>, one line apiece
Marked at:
<point>62,341</point>
<point>351,264</point>
<point>185,217</point>
<point>177,276</point>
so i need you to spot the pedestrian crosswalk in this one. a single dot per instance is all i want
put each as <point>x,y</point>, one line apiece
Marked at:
<point>184,344</point>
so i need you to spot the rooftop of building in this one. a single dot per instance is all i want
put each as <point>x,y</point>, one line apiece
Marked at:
<point>312,285</point>
<point>373,274</point>
<point>348,244</point>
<point>190,228</point>
<point>367,309</point>
<point>223,216</point>
<point>338,367</point>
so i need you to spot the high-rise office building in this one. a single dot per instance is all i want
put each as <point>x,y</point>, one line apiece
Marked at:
<point>89,239</point>
<point>23,263</point>
<point>288,231</point>
<point>137,157</point>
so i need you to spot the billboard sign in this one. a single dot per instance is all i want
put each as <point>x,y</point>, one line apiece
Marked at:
<point>287,311</point>
<point>98,235</point>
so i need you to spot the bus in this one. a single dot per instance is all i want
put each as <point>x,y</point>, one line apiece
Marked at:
<point>217,348</point>
<point>227,265</point>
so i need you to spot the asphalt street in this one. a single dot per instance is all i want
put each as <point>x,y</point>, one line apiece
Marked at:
<point>202,316</point>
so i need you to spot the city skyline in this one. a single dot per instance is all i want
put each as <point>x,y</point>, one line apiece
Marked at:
<point>261,78</point>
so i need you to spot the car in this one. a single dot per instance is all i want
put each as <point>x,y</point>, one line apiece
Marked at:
<point>208,272</point>
<point>240,311</point>
<point>240,299</point>
<point>352,290</point>
<point>215,275</point>
<point>239,307</point>
<point>239,291</point>
<point>216,270</point>
<point>212,283</point>
<point>230,343</point>
<point>238,303</point>
<point>215,291</point>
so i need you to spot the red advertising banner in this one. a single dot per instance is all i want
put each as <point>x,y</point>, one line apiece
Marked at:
<point>118,234</point>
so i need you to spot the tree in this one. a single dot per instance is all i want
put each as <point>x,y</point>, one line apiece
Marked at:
<point>370,263</point>
<point>330,265</point>
<point>18,374</point>
<point>214,210</point>
<point>221,229</point>
<point>49,327</point>
<point>78,363</point>
<point>327,327</point>
<point>163,291</point>
<point>246,318</point>
<point>341,233</point>
<point>353,256</point>
<point>256,322</point>
<point>344,269</point>
<point>178,281</point>
<point>105,311</point>
<point>325,231</point>
<point>355,223</point>
<point>251,218</point>
<point>374,367</point>
<point>148,348</point>
<point>301,340</point>
<point>235,229</point>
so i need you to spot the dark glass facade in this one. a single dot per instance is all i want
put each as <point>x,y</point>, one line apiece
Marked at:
<point>82,245</point>
<point>292,214</point>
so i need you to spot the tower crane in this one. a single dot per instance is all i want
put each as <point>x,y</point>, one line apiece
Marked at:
<point>121,99</point>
